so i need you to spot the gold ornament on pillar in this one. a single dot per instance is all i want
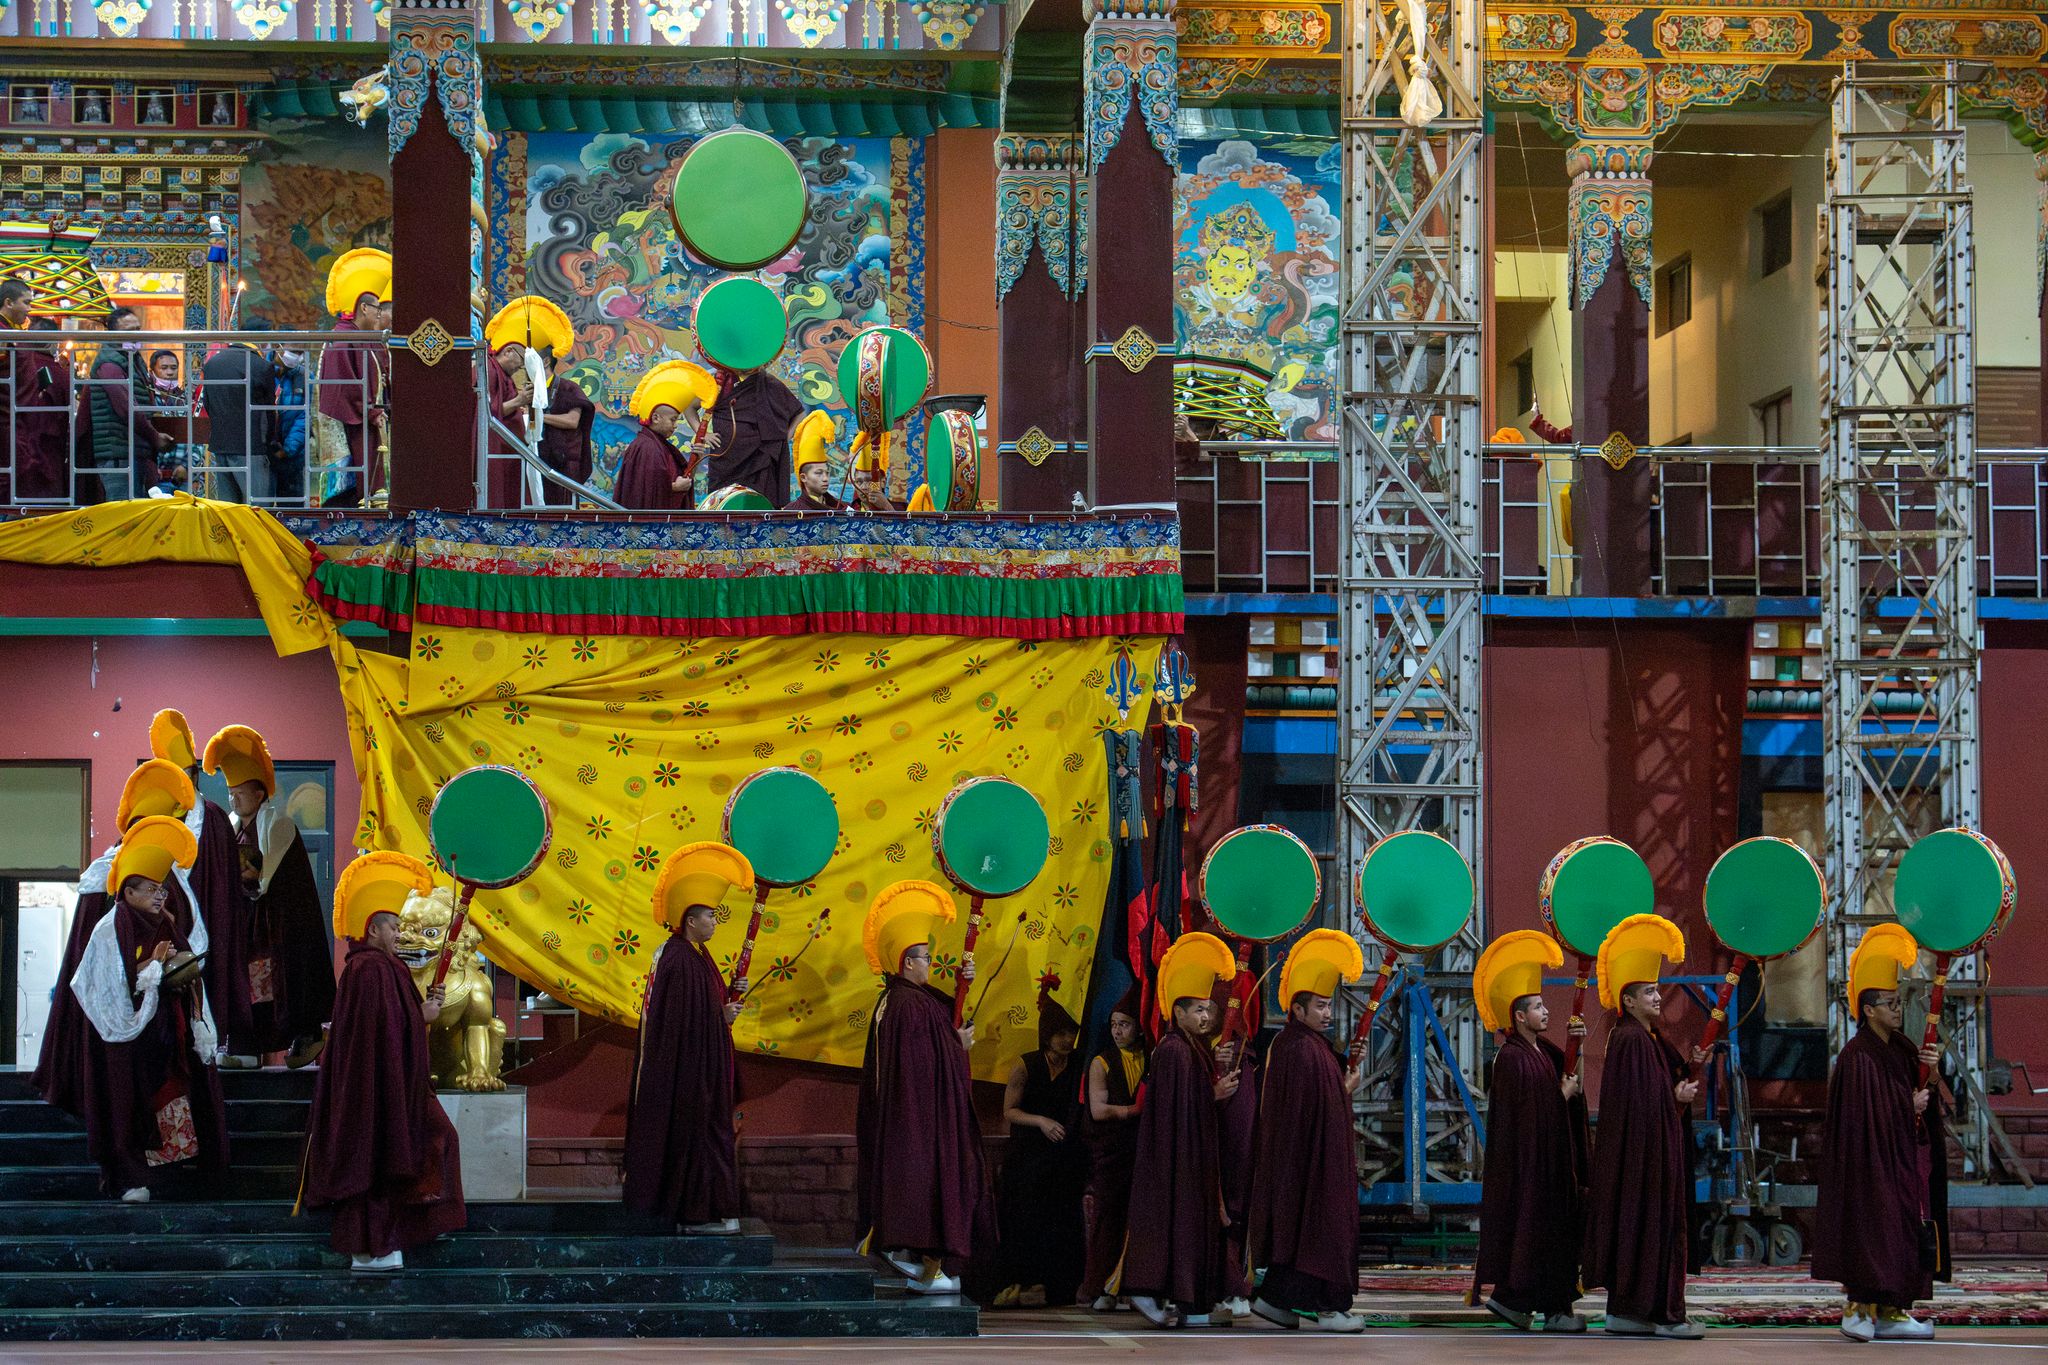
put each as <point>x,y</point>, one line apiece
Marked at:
<point>1618,450</point>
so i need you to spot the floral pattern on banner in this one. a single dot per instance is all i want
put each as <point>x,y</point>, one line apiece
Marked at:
<point>636,744</point>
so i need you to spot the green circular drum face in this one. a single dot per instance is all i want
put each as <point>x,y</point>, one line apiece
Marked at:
<point>905,376</point>
<point>737,497</point>
<point>1955,889</point>
<point>738,200</point>
<point>1591,886</point>
<point>938,463</point>
<point>1415,891</point>
<point>784,821</point>
<point>1765,897</point>
<point>1261,882</point>
<point>991,836</point>
<point>740,324</point>
<point>489,826</point>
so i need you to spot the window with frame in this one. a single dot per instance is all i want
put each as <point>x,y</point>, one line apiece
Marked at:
<point>1774,236</point>
<point>1674,295</point>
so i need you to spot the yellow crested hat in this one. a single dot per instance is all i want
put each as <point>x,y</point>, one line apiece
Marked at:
<point>1884,951</point>
<point>374,884</point>
<point>149,848</point>
<point>366,270</point>
<point>673,383</point>
<point>903,915</point>
<point>702,873</point>
<point>1510,968</point>
<point>156,787</point>
<point>813,437</point>
<point>1634,952</point>
<point>170,738</point>
<point>240,755</point>
<point>1318,960</point>
<point>532,321</point>
<point>1193,966</point>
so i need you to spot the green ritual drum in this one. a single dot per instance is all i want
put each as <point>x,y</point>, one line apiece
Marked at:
<point>1260,882</point>
<point>952,461</point>
<point>991,837</point>
<point>785,823</point>
<point>736,497</point>
<point>883,375</point>
<point>1765,898</point>
<point>738,200</point>
<point>741,324</point>
<point>1415,891</point>
<point>489,826</point>
<point>1592,885</point>
<point>1955,891</point>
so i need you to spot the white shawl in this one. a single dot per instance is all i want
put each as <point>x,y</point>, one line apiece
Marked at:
<point>101,987</point>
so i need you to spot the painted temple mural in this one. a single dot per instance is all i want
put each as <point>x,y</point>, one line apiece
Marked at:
<point>321,188</point>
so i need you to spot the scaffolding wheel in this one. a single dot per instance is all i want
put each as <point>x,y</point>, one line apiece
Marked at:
<point>1786,1246</point>
<point>1738,1243</point>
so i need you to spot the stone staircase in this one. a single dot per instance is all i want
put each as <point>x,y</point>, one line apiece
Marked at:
<point>231,1263</point>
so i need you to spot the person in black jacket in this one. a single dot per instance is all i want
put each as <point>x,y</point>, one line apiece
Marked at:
<point>240,394</point>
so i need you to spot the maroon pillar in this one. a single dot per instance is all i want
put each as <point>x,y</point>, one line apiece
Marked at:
<point>1611,277</point>
<point>1131,103</point>
<point>1041,272</point>
<point>435,98</point>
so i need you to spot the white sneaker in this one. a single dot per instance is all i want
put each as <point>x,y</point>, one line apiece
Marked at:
<point>1153,1311</point>
<point>1104,1303</point>
<point>378,1264</point>
<point>1513,1317</point>
<point>1238,1307</point>
<point>1563,1322</point>
<point>1685,1329</point>
<point>719,1227</point>
<point>1858,1322</point>
<point>910,1266</point>
<point>1629,1327</point>
<point>1333,1322</point>
<point>1895,1324</point>
<point>933,1281</point>
<point>1285,1318</point>
<point>138,1195</point>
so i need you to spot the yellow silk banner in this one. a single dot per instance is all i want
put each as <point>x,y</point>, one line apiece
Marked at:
<point>636,743</point>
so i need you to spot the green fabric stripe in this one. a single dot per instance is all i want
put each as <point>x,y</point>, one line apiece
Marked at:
<point>366,586</point>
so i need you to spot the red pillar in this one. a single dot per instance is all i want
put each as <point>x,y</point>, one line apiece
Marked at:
<point>1131,101</point>
<point>1611,282</point>
<point>1041,273</point>
<point>436,102</point>
<point>2041,286</point>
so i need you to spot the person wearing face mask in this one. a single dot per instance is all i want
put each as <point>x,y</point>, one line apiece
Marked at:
<point>288,455</point>
<point>115,434</point>
<point>238,390</point>
<point>654,476</point>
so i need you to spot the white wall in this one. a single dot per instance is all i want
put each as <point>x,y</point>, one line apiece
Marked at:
<point>2007,213</point>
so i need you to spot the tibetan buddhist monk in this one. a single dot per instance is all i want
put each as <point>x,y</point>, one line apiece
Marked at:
<point>151,1095</point>
<point>1639,1191</point>
<point>565,429</point>
<point>920,1186</point>
<point>751,425</point>
<point>1114,1078</point>
<point>1304,1215</point>
<point>1175,1267</point>
<point>288,958</point>
<point>216,881</point>
<point>70,1043</point>
<point>1530,1207</point>
<point>1880,1224</point>
<point>654,475</point>
<point>380,1151</point>
<point>681,1166</point>
<point>1045,1167</point>
<point>350,410</point>
<point>1237,1132</point>
<point>813,439</point>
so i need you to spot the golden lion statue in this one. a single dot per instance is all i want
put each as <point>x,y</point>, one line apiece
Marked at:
<point>466,1045</point>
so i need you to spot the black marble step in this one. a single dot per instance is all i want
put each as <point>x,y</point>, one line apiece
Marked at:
<point>33,1116</point>
<point>885,1318</point>
<point>266,1083</point>
<point>244,1116</point>
<point>69,1149</point>
<point>93,1216</point>
<point>307,1249</point>
<point>186,1292</point>
<point>172,1184</point>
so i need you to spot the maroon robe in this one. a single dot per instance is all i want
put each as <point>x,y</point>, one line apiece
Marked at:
<point>351,387</point>
<point>1175,1247</point>
<point>287,928</point>
<point>751,423</point>
<point>647,474</point>
<point>1304,1215</point>
<point>567,449</point>
<point>1638,1201</point>
<point>217,882</point>
<point>380,1150</point>
<point>127,1085</point>
<point>1112,1149</point>
<point>506,474</point>
<point>35,402</point>
<point>920,1185</point>
<point>1884,1170</point>
<point>680,1160</point>
<point>804,502</point>
<point>1237,1162</point>
<point>1530,1207</point>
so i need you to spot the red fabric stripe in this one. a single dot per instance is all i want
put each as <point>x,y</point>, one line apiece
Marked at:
<point>804,623</point>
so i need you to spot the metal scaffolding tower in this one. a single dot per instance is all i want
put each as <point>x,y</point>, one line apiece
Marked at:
<point>1899,463</point>
<point>1410,451</point>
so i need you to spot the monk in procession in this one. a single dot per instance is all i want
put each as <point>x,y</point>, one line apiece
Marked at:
<point>380,1151</point>
<point>1237,1132</point>
<point>216,880</point>
<point>350,411</point>
<point>1536,1142</point>
<point>654,475</point>
<point>681,1163</point>
<point>813,437</point>
<point>1304,1211</point>
<point>1176,1268</point>
<point>289,962</point>
<point>1881,1220</point>
<point>750,425</point>
<point>151,1095</point>
<point>1640,1188</point>
<point>1114,1078</point>
<point>920,1187</point>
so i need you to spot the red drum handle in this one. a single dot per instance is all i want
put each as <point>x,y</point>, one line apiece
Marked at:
<point>1372,1006</point>
<point>746,958</point>
<point>1933,1034</point>
<point>455,923</point>
<point>1571,1042</point>
<point>966,956</point>
<point>1719,1017</point>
